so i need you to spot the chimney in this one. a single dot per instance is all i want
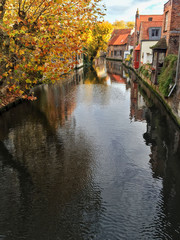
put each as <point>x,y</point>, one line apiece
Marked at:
<point>137,13</point>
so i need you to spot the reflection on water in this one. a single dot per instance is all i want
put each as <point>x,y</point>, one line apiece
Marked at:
<point>96,157</point>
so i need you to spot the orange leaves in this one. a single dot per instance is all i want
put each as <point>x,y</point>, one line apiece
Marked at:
<point>29,97</point>
<point>41,31</point>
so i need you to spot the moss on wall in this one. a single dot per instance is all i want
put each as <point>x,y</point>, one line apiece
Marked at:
<point>168,74</point>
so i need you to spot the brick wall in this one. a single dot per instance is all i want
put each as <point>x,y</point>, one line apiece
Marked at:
<point>112,49</point>
<point>172,8</point>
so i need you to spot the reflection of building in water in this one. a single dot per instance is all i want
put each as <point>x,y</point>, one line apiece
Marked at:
<point>116,72</point>
<point>164,139</point>
<point>114,67</point>
<point>59,101</point>
<point>138,107</point>
<point>117,78</point>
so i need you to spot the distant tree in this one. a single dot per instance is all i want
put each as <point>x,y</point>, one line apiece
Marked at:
<point>130,24</point>
<point>122,24</point>
<point>119,24</point>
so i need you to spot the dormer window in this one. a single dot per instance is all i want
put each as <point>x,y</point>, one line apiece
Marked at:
<point>155,33</point>
<point>150,19</point>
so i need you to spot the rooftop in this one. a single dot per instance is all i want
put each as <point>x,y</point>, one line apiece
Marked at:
<point>119,37</point>
<point>144,28</point>
<point>161,44</point>
<point>148,18</point>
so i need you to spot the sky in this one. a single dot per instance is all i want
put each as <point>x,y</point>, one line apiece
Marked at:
<point>126,9</point>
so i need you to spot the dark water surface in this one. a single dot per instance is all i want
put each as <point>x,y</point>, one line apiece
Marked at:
<point>94,158</point>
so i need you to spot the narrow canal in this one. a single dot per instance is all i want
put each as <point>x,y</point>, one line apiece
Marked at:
<point>94,158</point>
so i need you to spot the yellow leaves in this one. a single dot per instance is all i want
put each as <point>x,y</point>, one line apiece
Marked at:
<point>97,38</point>
<point>21,52</point>
<point>21,92</point>
<point>28,81</point>
<point>23,75</point>
<point>5,74</point>
<point>49,29</point>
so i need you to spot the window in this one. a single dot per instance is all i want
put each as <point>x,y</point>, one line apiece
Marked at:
<point>155,32</point>
<point>166,21</point>
<point>150,19</point>
<point>115,53</point>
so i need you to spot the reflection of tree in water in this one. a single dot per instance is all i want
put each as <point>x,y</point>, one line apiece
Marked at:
<point>91,77</point>
<point>58,101</point>
<point>164,138</point>
<point>56,194</point>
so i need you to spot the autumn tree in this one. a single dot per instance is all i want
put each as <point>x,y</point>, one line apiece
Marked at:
<point>130,25</point>
<point>122,24</point>
<point>97,39</point>
<point>40,38</point>
<point>119,24</point>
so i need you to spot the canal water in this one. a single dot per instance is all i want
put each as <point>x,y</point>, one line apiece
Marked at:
<point>96,157</point>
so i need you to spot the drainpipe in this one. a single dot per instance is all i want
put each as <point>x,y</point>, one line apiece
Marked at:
<point>177,71</point>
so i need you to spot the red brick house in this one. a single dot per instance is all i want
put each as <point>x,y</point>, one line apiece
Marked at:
<point>169,43</point>
<point>147,33</point>
<point>171,25</point>
<point>119,44</point>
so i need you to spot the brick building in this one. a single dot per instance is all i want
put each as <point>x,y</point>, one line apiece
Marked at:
<point>147,33</point>
<point>143,18</point>
<point>120,44</point>
<point>169,43</point>
<point>171,25</point>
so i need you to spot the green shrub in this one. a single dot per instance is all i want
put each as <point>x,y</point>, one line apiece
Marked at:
<point>141,69</point>
<point>146,73</point>
<point>168,74</point>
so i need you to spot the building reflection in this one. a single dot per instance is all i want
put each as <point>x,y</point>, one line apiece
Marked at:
<point>138,107</point>
<point>121,75</point>
<point>163,137</point>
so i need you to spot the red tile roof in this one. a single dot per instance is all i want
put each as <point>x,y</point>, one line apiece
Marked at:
<point>144,28</point>
<point>119,37</point>
<point>121,40</point>
<point>145,18</point>
<point>138,48</point>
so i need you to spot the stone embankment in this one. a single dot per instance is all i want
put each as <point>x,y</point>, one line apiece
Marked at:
<point>172,104</point>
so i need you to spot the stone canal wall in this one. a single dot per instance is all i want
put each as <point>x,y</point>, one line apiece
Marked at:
<point>171,104</point>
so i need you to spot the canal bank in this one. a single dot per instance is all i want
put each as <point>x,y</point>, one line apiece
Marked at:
<point>171,104</point>
<point>14,98</point>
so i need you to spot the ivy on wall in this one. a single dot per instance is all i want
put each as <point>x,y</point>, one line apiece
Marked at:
<point>168,74</point>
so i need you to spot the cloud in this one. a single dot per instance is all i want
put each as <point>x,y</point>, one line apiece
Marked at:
<point>140,1</point>
<point>126,9</point>
<point>116,9</point>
